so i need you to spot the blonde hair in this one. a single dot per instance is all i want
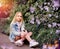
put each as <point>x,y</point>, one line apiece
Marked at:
<point>14,19</point>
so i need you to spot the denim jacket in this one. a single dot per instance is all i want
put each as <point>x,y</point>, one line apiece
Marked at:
<point>15,30</point>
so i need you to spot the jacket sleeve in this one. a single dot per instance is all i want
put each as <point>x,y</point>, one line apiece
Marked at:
<point>13,32</point>
<point>14,28</point>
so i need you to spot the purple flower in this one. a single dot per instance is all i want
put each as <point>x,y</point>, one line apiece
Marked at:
<point>54,24</point>
<point>32,21</point>
<point>56,3</point>
<point>58,25</point>
<point>46,8</point>
<point>49,25</point>
<point>32,9</point>
<point>57,31</point>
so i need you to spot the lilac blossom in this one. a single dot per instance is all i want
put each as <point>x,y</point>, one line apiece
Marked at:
<point>32,21</point>
<point>49,25</point>
<point>32,9</point>
<point>57,31</point>
<point>46,8</point>
<point>56,3</point>
<point>58,25</point>
<point>54,24</point>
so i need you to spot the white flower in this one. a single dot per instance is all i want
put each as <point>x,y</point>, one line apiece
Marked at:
<point>56,16</point>
<point>48,3</point>
<point>45,3</point>
<point>49,15</point>
<point>49,25</point>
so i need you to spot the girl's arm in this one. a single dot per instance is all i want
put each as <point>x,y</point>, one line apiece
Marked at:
<point>14,29</point>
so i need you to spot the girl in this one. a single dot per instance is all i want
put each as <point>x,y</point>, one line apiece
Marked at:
<point>18,33</point>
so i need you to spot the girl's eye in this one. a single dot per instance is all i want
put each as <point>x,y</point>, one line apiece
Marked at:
<point>19,16</point>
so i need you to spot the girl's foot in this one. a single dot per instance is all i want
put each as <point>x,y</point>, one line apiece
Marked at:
<point>33,43</point>
<point>19,43</point>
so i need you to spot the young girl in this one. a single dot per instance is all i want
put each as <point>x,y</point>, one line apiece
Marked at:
<point>18,33</point>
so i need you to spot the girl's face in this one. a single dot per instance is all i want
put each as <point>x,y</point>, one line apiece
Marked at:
<point>19,17</point>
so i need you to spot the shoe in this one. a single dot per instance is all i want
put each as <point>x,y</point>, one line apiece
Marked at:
<point>19,43</point>
<point>33,43</point>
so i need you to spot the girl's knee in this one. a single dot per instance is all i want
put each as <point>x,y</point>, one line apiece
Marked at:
<point>23,35</point>
<point>30,33</point>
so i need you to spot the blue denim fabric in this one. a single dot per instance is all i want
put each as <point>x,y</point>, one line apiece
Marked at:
<point>15,30</point>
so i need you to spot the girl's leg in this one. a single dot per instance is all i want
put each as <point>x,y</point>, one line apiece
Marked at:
<point>28,36</point>
<point>19,42</point>
<point>17,38</point>
<point>32,42</point>
<point>23,34</point>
